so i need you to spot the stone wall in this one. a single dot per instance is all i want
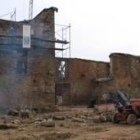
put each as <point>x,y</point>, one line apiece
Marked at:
<point>125,72</point>
<point>135,74</point>
<point>80,76</point>
<point>27,76</point>
<point>121,71</point>
<point>32,78</point>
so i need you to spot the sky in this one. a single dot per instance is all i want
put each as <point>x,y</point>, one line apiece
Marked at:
<point>98,27</point>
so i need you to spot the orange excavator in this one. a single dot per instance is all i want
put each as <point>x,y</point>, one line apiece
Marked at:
<point>127,110</point>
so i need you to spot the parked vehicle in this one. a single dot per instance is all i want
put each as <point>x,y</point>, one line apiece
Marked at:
<point>127,110</point>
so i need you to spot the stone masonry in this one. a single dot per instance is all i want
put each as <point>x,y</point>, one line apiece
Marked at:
<point>34,78</point>
<point>27,75</point>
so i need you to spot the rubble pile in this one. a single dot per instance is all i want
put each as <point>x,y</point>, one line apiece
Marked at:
<point>49,124</point>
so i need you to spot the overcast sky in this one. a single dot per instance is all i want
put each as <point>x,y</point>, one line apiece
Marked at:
<point>99,27</point>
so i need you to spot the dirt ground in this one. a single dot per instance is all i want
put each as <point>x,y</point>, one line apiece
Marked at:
<point>66,123</point>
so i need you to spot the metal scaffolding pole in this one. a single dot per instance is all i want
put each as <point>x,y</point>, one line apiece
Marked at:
<point>30,9</point>
<point>64,33</point>
<point>13,15</point>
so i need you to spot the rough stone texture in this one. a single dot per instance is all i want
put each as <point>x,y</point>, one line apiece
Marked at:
<point>90,79</point>
<point>82,73</point>
<point>31,78</point>
<point>125,72</point>
<point>35,88</point>
<point>79,75</point>
<point>101,88</point>
<point>27,76</point>
<point>121,71</point>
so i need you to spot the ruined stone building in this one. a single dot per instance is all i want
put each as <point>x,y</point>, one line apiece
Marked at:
<point>85,80</point>
<point>33,77</point>
<point>76,86</point>
<point>124,73</point>
<point>27,74</point>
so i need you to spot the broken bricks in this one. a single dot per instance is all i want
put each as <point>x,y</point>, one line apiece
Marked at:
<point>21,113</point>
<point>106,117</point>
<point>59,118</point>
<point>8,126</point>
<point>48,123</point>
<point>74,119</point>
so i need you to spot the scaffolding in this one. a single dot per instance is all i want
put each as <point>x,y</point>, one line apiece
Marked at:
<point>63,34</point>
<point>12,15</point>
<point>30,9</point>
